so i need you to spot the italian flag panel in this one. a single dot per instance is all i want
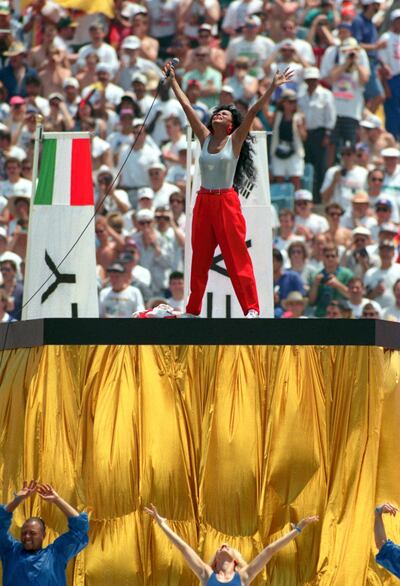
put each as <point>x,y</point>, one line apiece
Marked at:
<point>65,176</point>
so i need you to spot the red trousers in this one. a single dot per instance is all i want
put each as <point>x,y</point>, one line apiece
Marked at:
<point>218,220</point>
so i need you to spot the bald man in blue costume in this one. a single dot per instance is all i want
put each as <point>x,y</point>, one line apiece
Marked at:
<point>27,562</point>
<point>227,565</point>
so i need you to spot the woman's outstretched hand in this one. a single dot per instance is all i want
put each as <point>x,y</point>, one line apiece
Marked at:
<point>152,511</point>
<point>27,490</point>
<point>307,521</point>
<point>387,508</point>
<point>283,77</point>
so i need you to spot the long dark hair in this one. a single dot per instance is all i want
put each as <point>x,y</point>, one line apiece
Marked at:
<point>245,167</point>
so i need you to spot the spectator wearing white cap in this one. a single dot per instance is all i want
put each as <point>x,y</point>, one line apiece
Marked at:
<point>204,37</point>
<point>132,63</point>
<point>289,29</point>
<point>360,213</point>
<point>72,95</point>
<point>252,45</point>
<point>237,12</point>
<point>360,256</point>
<point>226,95</point>
<point>6,253</point>
<point>285,55</point>
<point>390,58</point>
<point>391,179</point>
<point>114,200</point>
<point>244,86</point>
<point>162,189</point>
<point>375,137</point>
<point>318,106</point>
<point>155,253</point>
<point>145,199</point>
<point>143,98</point>
<point>379,281</point>
<point>139,21</point>
<point>366,33</point>
<point>348,75</point>
<point>307,223</point>
<point>172,233</point>
<point>134,174</point>
<point>104,88</point>
<point>105,52</point>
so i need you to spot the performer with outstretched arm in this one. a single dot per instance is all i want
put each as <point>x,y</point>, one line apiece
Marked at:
<point>27,562</point>
<point>225,161</point>
<point>227,565</point>
<point>389,553</point>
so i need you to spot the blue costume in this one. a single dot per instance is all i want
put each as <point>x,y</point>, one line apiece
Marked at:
<point>389,557</point>
<point>212,581</point>
<point>45,567</point>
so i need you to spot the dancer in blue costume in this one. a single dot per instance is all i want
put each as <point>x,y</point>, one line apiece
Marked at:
<point>227,565</point>
<point>27,562</point>
<point>389,553</point>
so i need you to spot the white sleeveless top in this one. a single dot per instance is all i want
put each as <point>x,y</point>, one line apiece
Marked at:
<point>217,169</point>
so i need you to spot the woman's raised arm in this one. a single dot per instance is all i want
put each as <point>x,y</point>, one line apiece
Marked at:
<point>256,565</point>
<point>193,560</point>
<point>201,132</point>
<point>239,136</point>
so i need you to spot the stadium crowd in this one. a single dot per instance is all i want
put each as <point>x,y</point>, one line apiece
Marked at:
<point>334,156</point>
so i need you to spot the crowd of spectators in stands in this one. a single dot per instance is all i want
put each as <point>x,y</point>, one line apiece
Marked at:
<point>336,247</point>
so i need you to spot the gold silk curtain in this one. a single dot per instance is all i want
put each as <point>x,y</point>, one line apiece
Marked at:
<point>232,443</point>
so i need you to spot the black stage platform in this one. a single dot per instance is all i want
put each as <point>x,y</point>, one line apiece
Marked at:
<point>262,332</point>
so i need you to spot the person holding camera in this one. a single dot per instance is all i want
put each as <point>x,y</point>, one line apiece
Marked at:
<point>348,76</point>
<point>117,200</point>
<point>359,257</point>
<point>331,283</point>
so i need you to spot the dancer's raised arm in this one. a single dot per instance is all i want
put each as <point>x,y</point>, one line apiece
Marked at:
<point>198,127</point>
<point>195,563</point>
<point>250,571</point>
<point>239,135</point>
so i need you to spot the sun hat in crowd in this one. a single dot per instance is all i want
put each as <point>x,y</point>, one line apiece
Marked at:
<point>293,297</point>
<point>360,196</point>
<point>311,73</point>
<point>390,152</point>
<point>145,193</point>
<point>395,14</point>
<point>16,48</point>
<point>383,201</point>
<point>139,77</point>
<point>303,195</point>
<point>361,231</point>
<point>132,42</point>
<point>116,267</point>
<point>371,122</point>
<point>145,215</point>
<point>388,227</point>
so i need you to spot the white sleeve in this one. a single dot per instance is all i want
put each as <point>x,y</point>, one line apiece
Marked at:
<point>328,178</point>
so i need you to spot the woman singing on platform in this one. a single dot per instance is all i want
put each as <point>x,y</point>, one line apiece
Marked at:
<point>225,161</point>
<point>227,565</point>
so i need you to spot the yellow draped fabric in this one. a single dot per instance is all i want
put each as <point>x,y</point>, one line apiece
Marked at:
<point>90,6</point>
<point>231,443</point>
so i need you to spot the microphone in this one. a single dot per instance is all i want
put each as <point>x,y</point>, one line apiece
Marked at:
<point>174,63</point>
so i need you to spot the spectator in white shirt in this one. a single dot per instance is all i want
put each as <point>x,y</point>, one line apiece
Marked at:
<point>341,181</point>
<point>360,257</point>
<point>135,173</point>
<point>348,75</point>
<point>132,63</point>
<point>287,233</point>
<point>237,12</point>
<point>318,106</point>
<point>105,52</point>
<point>161,188</point>
<point>391,180</point>
<point>392,312</point>
<point>356,298</point>
<point>72,97</point>
<point>252,45</point>
<point>360,213</point>
<point>389,56</point>
<point>15,184</point>
<point>120,299</point>
<point>383,212</point>
<point>379,281</point>
<point>176,287</point>
<point>111,92</point>
<point>307,223</point>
